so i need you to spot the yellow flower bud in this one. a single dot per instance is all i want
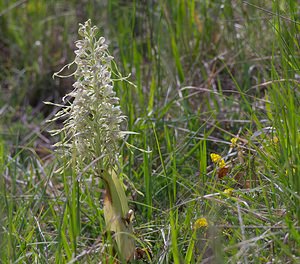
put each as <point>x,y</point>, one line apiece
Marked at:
<point>215,157</point>
<point>233,142</point>
<point>221,163</point>
<point>228,191</point>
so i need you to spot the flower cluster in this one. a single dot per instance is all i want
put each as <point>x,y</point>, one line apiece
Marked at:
<point>217,159</point>
<point>200,222</point>
<point>93,119</point>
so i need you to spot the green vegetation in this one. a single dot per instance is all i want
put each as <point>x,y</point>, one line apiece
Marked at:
<point>206,77</point>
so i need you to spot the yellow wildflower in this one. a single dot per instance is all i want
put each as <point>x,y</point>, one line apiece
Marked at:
<point>200,222</point>
<point>228,191</point>
<point>233,142</point>
<point>221,163</point>
<point>215,157</point>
